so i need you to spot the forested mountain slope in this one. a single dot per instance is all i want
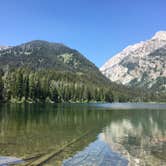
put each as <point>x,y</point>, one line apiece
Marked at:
<point>43,70</point>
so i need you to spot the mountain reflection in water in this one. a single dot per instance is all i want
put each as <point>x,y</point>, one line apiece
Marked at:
<point>138,135</point>
<point>135,135</point>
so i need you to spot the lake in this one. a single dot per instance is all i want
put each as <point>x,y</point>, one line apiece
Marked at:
<point>83,134</point>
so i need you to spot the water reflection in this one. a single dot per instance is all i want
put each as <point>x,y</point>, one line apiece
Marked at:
<point>139,135</point>
<point>30,129</point>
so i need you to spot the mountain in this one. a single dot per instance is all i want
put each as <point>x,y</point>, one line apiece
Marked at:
<point>40,71</point>
<point>38,55</point>
<point>140,65</point>
<point>42,54</point>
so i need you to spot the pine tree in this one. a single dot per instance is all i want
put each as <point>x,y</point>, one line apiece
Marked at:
<point>19,85</point>
<point>109,96</point>
<point>1,88</point>
<point>32,87</point>
<point>26,88</point>
<point>53,92</point>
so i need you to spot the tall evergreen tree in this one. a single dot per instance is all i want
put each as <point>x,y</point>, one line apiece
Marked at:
<point>1,87</point>
<point>19,84</point>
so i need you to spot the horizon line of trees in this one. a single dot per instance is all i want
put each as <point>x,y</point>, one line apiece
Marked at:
<point>49,85</point>
<point>24,84</point>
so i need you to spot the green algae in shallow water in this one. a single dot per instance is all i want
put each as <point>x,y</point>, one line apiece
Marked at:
<point>29,129</point>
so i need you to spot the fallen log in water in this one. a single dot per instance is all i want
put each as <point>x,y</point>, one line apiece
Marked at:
<point>45,157</point>
<point>30,159</point>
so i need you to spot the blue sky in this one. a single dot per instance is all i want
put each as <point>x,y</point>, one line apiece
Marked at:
<point>97,28</point>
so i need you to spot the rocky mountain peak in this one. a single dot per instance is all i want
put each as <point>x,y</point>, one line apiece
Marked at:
<point>141,64</point>
<point>161,35</point>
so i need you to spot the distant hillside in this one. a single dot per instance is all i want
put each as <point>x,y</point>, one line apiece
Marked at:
<point>40,70</point>
<point>42,54</point>
<point>38,55</point>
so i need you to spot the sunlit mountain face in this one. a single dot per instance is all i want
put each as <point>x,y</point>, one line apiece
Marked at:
<point>140,65</point>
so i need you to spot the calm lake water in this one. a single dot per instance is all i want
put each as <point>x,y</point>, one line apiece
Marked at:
<point>84,134</point>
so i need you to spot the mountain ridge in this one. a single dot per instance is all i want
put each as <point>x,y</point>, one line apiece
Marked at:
<point>139,65</point>
<point>41,48</point>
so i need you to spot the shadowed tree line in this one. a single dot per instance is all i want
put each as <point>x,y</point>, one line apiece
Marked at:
<point>24,84</point>
<point>48,85</point>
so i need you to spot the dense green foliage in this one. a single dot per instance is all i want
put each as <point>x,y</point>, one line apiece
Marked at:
<point>44,71</point>
<point>24,84</point>
<point>49,85</point>
<point>1,87</point>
